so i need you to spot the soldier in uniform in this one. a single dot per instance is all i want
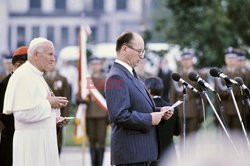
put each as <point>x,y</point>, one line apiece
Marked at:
<point>165,74</point>
<point>193,101</point>
<point>96,118</point>
<point>244,73</point>
<point>230,69</point>
<point>60,87</point>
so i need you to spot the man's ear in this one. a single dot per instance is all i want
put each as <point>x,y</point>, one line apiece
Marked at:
<point>36,53</point>
<point>124,48</point>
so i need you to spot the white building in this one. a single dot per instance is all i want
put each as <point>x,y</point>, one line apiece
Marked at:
<point>60,20</point>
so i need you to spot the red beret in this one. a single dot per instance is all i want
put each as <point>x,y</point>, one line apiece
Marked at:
<point>21,51</point>
<point>20,54</point>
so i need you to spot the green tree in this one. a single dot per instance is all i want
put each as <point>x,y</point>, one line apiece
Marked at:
<point>207,26</point>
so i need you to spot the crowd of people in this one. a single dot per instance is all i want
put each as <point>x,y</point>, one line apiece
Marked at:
<point>35,100</point>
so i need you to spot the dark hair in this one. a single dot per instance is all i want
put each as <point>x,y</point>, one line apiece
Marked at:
<point>155,85</point>
<point>125,37</point>
<point>19,58</point>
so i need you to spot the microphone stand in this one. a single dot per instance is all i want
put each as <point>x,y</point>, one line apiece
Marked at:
<point>223,126</point>
<point>221,108</point>
<point>203,91</point>
<point>184,119</point>
<point>229,85</point>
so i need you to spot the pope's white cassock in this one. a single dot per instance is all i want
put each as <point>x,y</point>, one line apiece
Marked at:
<point>35,141</point>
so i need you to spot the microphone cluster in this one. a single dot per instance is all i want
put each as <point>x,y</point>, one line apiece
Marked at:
<point>196,78</point>
<point>215,72</point>
<point>176,77</point>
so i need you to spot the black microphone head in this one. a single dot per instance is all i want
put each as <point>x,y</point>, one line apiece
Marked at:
<point>215,72</point>
<point>193,76</point>
<point>239,80</point>
<point>176,77</point>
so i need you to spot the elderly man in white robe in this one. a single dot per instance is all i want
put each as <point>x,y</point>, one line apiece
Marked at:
<point>35,108</point>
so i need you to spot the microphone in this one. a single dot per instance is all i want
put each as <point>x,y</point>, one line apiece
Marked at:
<point>215,72</point>
<point>196,78</point>
<point>242,85</point>
<point>176,77</point>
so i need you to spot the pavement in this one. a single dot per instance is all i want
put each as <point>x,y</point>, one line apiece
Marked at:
<point>80,156</point>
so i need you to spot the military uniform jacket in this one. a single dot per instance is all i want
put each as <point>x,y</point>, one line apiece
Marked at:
<point>227,101</point>
<point>93,110</point>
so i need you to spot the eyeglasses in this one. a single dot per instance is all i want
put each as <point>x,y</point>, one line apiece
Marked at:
<point>141,52</point>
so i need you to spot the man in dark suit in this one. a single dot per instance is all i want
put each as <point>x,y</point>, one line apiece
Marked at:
<point>131,109</point>
<point>19,57</point>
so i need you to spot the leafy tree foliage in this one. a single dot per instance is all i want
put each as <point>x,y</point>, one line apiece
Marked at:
<point>207,26</point>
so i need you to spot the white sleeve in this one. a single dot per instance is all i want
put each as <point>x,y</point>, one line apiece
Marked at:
<point>40,112</point>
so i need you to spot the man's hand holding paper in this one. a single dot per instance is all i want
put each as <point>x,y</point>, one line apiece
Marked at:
<point>176,104</point>
<point>168,112</point>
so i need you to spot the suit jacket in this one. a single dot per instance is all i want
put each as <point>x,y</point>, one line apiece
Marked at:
<point>167,128</point>
<point>133,138</point>
<point>9,128</point>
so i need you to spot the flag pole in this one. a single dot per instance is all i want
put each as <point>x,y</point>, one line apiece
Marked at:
<point>80,127</point>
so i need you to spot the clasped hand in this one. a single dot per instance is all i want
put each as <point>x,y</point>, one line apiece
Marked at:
<point>57,102</point>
